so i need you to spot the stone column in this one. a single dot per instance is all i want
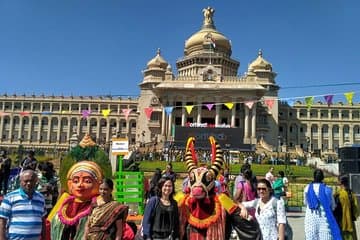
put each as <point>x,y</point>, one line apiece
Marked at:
<point>351,133</point>
<point>69,130</point>
<point>341,135</point>
<point>11,127</point>
<point>169,125</point>
<point>199,106</point>
<point>49,129</point>
<point>217,115</point>
<point>246,123</point>
<point>320,137</point>
<point>183,114</point>
<point>58,130</point>
<point>233,114</point>
<point>40,129</point>
<point>163,121</point>
<point>331,140</point>
<point>1,127</point>
<point>253,123</point>
<point>98,128</point>
<point>21,119</point>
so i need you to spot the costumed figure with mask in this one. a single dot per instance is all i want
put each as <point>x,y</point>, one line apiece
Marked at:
<point>69,215</point>
<point>205,214</point>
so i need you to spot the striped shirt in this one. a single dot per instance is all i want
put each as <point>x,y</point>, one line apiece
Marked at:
<point>24,215</point>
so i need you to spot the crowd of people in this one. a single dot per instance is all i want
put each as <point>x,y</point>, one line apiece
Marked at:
<point>88,211</point>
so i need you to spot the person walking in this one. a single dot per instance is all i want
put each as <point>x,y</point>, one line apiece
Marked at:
<point>320,222</point>
<point>168,172</point>
<point>161,216</point>
<point>349,209</point>
<point>246,191</point>
<point>30,162</point>
<point>5,166</point>
<point>270,175</point>
<point>22,212</point>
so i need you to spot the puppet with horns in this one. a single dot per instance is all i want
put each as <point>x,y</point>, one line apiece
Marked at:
<point>205,214</point>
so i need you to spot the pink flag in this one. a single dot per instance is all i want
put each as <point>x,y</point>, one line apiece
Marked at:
<point>126,112</point>
<point>269,103</point>
<point>328,99</point>
<point>4,114</point>
<point>148,112</point>
<point>249,104</point>
<point>24,114</point>
<point>85,113</point>
<point>209,106</point>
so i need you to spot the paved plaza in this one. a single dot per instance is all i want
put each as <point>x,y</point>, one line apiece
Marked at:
<point>296,221</point>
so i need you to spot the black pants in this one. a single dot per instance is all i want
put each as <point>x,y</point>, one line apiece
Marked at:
<point>4,181</point>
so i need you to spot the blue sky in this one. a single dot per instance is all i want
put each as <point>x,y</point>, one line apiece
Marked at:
<point>74,47</point>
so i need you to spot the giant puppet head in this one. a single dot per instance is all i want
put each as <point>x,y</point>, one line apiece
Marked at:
<point>202,179</point>
<point>84,179</point>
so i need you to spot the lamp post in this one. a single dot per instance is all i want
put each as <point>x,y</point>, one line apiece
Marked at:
<point>227,156</point>
<point>278,148</point>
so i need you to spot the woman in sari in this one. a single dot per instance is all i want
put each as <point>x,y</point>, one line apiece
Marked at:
<point>108,218</point>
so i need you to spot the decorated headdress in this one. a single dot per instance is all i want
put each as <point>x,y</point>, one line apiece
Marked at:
<point>86,166</point>
<point>202,179</point>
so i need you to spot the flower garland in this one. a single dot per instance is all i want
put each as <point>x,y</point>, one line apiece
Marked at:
<point>72,220</point>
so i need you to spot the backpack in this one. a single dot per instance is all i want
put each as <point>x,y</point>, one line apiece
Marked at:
<point>278,187</point>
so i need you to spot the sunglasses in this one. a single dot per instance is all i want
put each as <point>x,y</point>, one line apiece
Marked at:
<point>261,188</point>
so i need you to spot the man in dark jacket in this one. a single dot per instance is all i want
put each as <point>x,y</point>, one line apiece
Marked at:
<point>5,165</point>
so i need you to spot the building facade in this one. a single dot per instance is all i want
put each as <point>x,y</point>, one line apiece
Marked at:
<point>205,95</point>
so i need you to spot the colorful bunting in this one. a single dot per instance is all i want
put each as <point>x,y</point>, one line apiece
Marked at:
<point>328,99</point>
<point>269,103</point>
<point>349,97</point>
<point>4,114</point>
<point>24,114</point>
<point>148,112</point>
<point>309,101</point>
<point>189,108</point>
<point>290,102</point>
<point>105,112</point>
<point>65,112</point>
<point>249,104</point>
<point>209,106</point>
<point>126,112</point>
<point>229,105</point>
<point>168,110</point>
<point>85,113</point>
<point>46,113</point>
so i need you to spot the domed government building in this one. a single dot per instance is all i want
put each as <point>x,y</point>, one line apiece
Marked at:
<point>204,96</point>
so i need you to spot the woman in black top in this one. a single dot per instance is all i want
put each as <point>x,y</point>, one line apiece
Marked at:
<point>161,217</point>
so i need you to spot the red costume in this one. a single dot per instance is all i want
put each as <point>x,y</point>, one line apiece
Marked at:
<point>203,213</point>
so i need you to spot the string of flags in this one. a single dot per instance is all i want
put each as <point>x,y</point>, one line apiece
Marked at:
<point>309,102</point>
<point>84,113</point>
<point>269,102</point>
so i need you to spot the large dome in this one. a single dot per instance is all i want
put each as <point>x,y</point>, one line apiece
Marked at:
<point>207,35</point>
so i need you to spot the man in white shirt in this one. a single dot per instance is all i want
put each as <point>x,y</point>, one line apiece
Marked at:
<point>270,176</point>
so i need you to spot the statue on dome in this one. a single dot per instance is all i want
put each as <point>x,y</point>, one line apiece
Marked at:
<point>208,15</point>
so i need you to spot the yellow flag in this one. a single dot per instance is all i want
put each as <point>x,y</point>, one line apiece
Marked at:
<point>309,101</point>
<point>229,105</point>
<point>105,112</point>
<point>189,108</point>
<point>349,97</point>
